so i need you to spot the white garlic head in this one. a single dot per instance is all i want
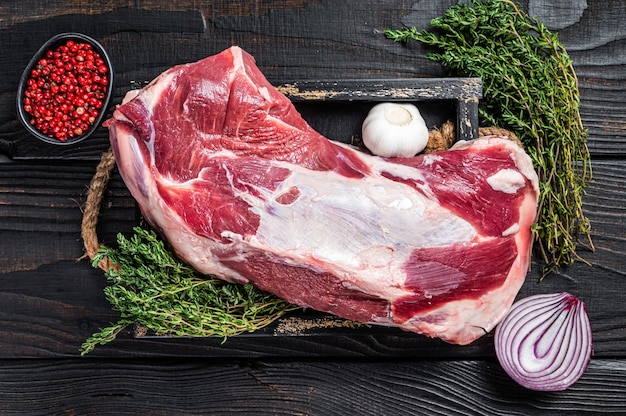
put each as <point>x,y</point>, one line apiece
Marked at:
<point>394,130</point>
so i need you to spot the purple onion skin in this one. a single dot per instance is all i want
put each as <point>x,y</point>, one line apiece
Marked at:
<point>545,343</point>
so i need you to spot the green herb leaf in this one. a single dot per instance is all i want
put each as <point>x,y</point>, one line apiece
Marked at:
<point>530,88</point>
<point>152,288</point>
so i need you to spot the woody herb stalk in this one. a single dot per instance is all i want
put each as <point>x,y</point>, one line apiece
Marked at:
<point>530,87</point>
<point>150,287</point>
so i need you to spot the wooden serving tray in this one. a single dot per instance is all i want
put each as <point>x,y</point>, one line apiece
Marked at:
<point>429,94</point>
<point>336,109</point>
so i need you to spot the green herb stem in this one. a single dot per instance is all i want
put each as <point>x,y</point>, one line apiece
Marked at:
<point>531,88</point>
<point>152,288</point>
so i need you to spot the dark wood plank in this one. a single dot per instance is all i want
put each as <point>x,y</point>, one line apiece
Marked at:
<point>394,387</point>
<point>398,89</point>
<point>40,213</point>
<point>464,94</point>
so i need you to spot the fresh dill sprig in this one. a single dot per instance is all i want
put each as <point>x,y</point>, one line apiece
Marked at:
<point>530,88</point>
<point>152,288</point>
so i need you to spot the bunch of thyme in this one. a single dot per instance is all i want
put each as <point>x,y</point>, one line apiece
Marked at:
<point>530,88</point>
<point>150,287</point>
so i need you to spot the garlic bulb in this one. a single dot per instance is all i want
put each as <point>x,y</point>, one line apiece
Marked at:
<point>394,130</point>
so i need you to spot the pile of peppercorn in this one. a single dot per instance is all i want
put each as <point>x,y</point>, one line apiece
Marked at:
<point>66,90</point>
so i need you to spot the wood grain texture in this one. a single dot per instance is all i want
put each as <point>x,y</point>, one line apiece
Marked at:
<point>50,302</point>
<point>40,208</point>
<point>330,388</point>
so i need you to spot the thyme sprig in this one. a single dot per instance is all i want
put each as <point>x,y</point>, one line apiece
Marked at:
<point>530,87</point>
<point>152,288</point>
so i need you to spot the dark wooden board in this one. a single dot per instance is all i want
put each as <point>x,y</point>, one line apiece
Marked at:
<point>433,97</point>
<point>50,301</point>
<point>269,387</point>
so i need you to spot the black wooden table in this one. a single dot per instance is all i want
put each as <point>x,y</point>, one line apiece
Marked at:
<point>51,299</point>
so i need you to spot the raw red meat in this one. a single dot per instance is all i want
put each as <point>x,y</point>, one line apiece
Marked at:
<point>226,169</point>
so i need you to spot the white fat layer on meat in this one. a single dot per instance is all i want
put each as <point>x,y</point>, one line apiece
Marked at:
<point>265,93</point>
<point>429,159</point>
<point>130,95</point>
<point>508,181</point>
<point>153,93</point>
<point>238,67</point>
<point>369,224</point>
<point>522,162</point>
<point>513,229</point>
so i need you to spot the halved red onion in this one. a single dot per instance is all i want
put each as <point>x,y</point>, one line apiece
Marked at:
<point>544,343</point>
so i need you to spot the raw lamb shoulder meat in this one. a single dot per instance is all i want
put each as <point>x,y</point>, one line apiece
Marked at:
<point>224,167</point>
